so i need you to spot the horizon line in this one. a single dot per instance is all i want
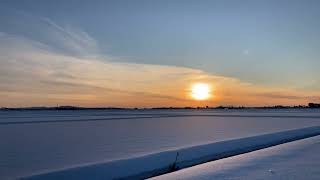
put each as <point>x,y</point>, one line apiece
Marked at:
<point>71,107</point>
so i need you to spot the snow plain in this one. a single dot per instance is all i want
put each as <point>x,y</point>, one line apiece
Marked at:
<point>167,161</point>
<point>295,160</point>
<point>36,142</point>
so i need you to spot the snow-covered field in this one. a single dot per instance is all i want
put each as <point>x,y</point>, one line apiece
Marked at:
<point>34,142</point>
<point>295,160</point>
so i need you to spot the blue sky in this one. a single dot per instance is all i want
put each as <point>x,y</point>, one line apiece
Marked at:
<point>272,43</point>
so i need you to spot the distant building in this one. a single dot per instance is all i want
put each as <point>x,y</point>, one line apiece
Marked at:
<point>314,105</point>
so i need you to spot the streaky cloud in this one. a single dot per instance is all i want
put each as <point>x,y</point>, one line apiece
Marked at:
<point>34,72</point>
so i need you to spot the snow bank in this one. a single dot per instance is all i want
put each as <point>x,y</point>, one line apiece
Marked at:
<point>168,161</point>
<point>294,160</point>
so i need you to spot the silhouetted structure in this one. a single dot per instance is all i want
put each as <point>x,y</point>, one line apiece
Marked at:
<point>314,105</point>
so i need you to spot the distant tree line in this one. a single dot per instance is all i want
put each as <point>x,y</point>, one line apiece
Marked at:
<point>310,105</point>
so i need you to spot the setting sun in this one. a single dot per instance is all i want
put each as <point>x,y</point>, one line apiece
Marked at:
<point>200,91</point>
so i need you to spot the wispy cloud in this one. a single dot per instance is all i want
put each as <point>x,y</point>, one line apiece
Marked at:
<point>64,39</point>
<point>65,66</point>
<point>75,40</point>
<point>285,95</point>
<point>28,67</point>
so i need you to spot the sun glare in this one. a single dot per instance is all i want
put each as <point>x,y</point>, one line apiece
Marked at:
<point>200,91</point>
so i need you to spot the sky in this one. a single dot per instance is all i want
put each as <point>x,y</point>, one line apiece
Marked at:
<point>150,53</point>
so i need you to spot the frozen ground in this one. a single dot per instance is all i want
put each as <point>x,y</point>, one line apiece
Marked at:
<point>167,161</point>
<point>42,141</point>
<point>295,160</point>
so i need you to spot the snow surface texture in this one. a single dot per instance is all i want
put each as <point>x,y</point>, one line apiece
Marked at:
<point>36,142</point>
<point>295,161</point>
<point>168,161</point>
